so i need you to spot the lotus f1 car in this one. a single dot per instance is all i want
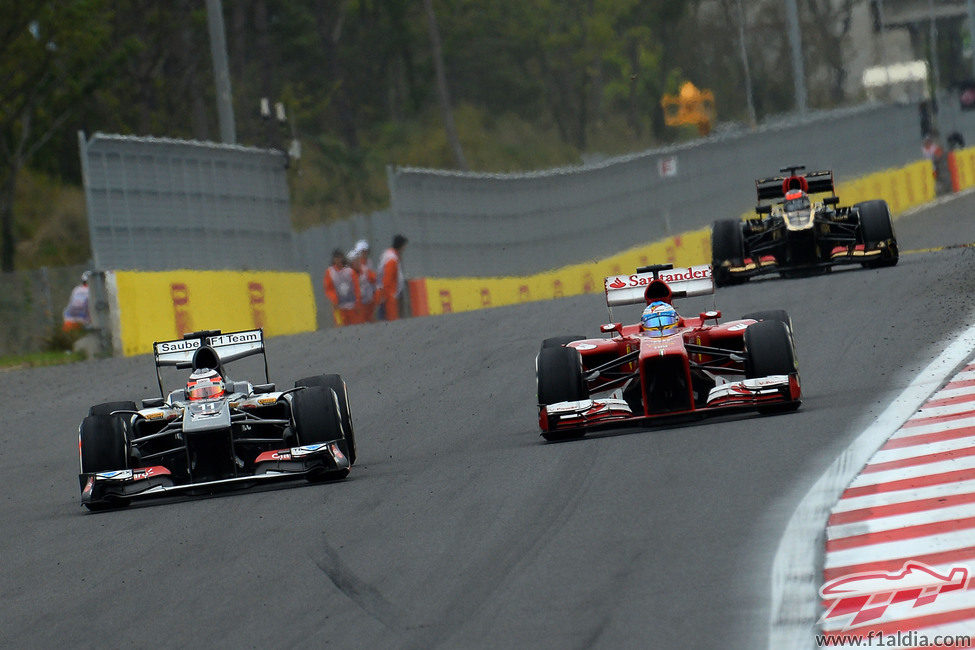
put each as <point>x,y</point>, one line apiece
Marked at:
<point>792,234</point>
<point>233,433</point>
<point>699,367</point>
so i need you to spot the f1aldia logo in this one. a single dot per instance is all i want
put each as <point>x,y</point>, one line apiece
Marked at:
<point>861,598</point>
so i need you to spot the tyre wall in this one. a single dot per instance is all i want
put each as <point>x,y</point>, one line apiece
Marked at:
<point>154,306</point>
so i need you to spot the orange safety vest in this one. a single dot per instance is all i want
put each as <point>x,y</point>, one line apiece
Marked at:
<point>342,287</point>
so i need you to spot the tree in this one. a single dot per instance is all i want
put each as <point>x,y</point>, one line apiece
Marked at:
<point>443,93</point>
<point>51,57</point>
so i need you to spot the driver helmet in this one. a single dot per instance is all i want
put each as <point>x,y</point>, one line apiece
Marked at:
<point>204,384</point>
<point>659,319</point>
<point>796,200</point>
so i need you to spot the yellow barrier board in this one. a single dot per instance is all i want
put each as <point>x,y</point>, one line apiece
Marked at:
<point>164,305</point>
<point>446,295</point>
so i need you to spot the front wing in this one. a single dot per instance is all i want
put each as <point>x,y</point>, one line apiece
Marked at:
<point>115,487</point>
<point>601,413</point>
<point>767,264</point>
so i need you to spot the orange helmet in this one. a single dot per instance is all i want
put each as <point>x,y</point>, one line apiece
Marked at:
<point>204,384</point>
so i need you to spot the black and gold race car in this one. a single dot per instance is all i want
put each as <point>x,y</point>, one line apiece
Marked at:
<point>799,229</point>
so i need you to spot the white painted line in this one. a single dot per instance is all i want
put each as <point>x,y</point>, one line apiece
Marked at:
<point>919,451</point>
<point>795,578</point>
<point>934,427</point>
<point>907,549</point>
<point>904,496</point>
<point>964,375</point>
<point>916,471</point>
<point>896,522</point>
<point>944,411</point>
<point>948,393</point>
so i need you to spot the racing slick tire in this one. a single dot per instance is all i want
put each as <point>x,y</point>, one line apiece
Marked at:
<point>727,245</point>
<point>315,412</point>
<point>106,408</point>
<point>780,315</point>
<point>559,374</point>
<point>770,350</point>
<point>877,228</point>
<point>102,447</point>
<point>560,341</point>
<point>337,384</point>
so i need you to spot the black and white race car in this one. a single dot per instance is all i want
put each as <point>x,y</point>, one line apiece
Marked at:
<point>793,233</point>
<point>214,432</point>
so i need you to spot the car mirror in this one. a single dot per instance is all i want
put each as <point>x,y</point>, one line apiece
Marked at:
<point>153,402</point>
<point>763,209</point>
<point>612,327</point>
<point>712,314</point>
<point>831,200</point>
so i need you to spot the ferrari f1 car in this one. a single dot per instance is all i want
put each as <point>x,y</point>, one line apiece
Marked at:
<point>693,366</point>
<point>792,234</point>
<point>216,432</point>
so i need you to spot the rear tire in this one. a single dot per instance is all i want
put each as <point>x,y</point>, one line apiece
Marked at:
<point>337,384</point>
<point>559,375</point>
<point>727,246</point>
<point>106,408</point>
<point>770,350</point>
<point>876,227</point>
<point>316,418</point>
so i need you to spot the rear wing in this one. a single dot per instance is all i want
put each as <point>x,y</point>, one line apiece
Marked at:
<point>228,346</point>
<point>668,283</point>
<point>771,189</point>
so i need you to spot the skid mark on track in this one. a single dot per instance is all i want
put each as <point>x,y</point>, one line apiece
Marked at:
<point>358,591</point>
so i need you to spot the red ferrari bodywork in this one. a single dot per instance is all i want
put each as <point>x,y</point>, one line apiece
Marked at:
<point>700,368</point>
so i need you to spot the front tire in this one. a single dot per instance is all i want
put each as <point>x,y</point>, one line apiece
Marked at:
<point>315,413</point>
<point>779,315</point>
<point>102,445</point>
<point>561,341</point>
<point>337,384</point>
<point>559,375</point>
<point>102,448</point>
<point>106,408</point>
<point>877,228</point>
<point>770,350</point>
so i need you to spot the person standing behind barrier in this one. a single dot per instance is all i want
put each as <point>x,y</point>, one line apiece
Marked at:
<point>932,150</point>
<point>76,315</point>
<point>368,295</point>
<point>342,289</point>
<point>391,279</point>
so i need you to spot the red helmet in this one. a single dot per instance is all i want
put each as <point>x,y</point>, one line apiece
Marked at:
<point>204,384</point>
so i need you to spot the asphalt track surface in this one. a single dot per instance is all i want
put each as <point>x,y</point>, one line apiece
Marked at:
<point>460,527</point>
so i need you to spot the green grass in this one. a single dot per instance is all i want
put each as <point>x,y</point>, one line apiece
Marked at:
<point>38,359</point>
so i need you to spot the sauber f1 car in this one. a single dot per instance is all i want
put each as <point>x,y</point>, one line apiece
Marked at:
<point>216,432</point>
<point>791,234</point>
<point>695,366</point>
